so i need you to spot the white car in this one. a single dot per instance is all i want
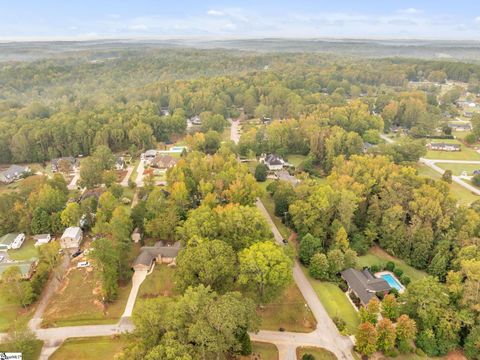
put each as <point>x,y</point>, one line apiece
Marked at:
<point>83,264</point>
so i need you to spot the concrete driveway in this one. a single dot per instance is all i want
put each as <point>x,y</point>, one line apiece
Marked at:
<point>137,279</point>
<point>140,170</point>
<point>124,182</point>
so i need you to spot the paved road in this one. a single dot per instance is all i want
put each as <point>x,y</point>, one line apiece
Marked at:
<point>137,279</point>
<point>234,131</point>
<point>140,170</point>
<point>474,162</point>
<point>457,179</point>
<point>124,182</point>
<point>326,334</point>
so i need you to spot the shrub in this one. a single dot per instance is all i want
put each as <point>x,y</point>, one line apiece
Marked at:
<point>380,294</point>
<point>131,184</point>
<point>476,179</point>
<point>405,280</point>
<point>308,357</point>
<point>394,292</point>
<point>375,268</point>
<point>272,187</point>
<point>398,272</point>
<point>392,353</point>
<point>339,323</point>
<point>261,173</point>
<point>390,266</point>
<point>343,285</point>
<point>419,352</point>
<point>470,138</point>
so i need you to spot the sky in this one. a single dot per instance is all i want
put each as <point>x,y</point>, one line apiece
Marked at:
<point>93,19</point>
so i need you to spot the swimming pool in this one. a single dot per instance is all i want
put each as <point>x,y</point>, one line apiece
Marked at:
<point>392,281</point>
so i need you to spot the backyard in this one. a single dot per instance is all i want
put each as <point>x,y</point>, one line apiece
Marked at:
<point>94,348</point>
<point>262,351</point>
<point>77,302</point>
<point>457,169</point>
<point>26,251</point>
<point>158,283</point>
<point>377,256</point>
<point>11,310</point>
<point>335,302</point>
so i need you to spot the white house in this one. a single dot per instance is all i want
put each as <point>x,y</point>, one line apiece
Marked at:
<point>273,162</point>
<point>71,238</point>
<point>41,239</point>
<point>11,241</point>
<point>14,172</point>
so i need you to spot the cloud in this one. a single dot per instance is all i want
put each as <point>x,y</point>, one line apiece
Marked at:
<point>410,11</point>
<point>215,13</point>
<point>138,27</point>
<point>477,19</point>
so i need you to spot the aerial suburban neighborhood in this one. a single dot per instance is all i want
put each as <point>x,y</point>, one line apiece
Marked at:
<point>245,181</point>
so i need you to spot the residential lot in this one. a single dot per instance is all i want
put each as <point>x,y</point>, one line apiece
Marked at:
<point>466,153</point>
<point>94,348</point>
<point>262,351</point>
<point>458,169</point>
<point>318,353</point>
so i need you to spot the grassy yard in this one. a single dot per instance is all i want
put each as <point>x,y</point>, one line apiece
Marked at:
<point>377,256</point>
<point>457,169</point>
<point>37,348</point>
<point>78,302</point>
<point>133,175</point>
<point>335,302</point>
<point>94,348</point>
<point>288,311</point>
<point>158,283</point>
<point>296,160</point>
<point>262,351</point>
<point>318,353</point>
<point>11,311</point>
<point>26,252</point>
<point>466,153</point>
<point>463,195</point>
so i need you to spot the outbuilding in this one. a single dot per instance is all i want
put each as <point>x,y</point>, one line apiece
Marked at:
<point>72,238</point>
<point>12,241</point>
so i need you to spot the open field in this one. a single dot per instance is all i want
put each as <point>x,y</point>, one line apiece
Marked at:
<point>93,348</point>
<point>26,251</point>
<point>466,153</point>
<point>457,169</point>
<point>265,351</point>
<point>318,353</point>
<point>335,302</point>
<point>463,195</point>
<point>288,311</point>
<point>78,302</point>
<point>296,160</point>
<point>378,256</point>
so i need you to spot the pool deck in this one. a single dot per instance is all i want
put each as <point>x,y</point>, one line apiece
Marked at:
<point>380,273</point>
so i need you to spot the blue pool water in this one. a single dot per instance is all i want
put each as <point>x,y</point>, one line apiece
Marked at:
<point>392,281</point>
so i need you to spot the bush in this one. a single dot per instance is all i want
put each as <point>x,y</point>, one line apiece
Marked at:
<point>394,292</point>
<point>339,323</point>
<point>405,280</point>
<point>398,272</point>
<point>272,187</point>
<point>470,138</point>
<point>391,353</point>
<point>419,352</point>
<point>343,285</point>
<point>375,268</point>
<point>308,357</point>
<point>261,173</point>
<point>380,294</point>
<point>476,179</point>
<point>131,184</point>
<point>390,266</point>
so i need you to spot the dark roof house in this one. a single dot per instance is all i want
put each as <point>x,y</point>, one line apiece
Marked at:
<point>164,161</point>
<point>160,252</point>
<point>363,284</point>
<point>14,172</point>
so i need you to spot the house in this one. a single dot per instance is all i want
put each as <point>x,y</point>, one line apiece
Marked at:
<point>476,172</point>
<point>364,285</point>
<point>266,120</point>
<point>136,235</point>
<point>11,241</point>
<point>14,172</point>
<point>161,253</point>
<point>71,238</point>
<point>444,147</point>
<point>273,162</point>
<point>27,267</point>
<point>468,114</point>
<point>68,160</point>
<point>41,239</point>
<point>196,120</point>
<point>163,162</point>
<point>149,155</point>
<point>119,163</point>
<point>460,127</point>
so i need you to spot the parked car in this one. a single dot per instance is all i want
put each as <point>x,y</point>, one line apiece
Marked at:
<point>83,264</point>
<point>77,253</point>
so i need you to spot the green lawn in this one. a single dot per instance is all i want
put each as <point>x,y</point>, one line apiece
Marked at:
<point>11,311</point>
<point>159,283</point>
<point>262,351</point>
<point>78,302</point>
<point>94,348</point>
<point>466,153</point>
<point>296,160</point>
<point>288,311</point>
<point>335,302</point>
<point>463,195</point>
<point>37,348</point>
<point>133,175</point>
<point>318,353</point>
<point>377,256</point>
<point>26,251</point>
<point>457,169</point>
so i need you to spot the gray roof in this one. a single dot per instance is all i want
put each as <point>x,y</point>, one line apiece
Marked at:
<point>14,171</point>
<point>445,145</point>
<point>73,161</point>
<point>364,284</point>
<point>149,253</point>
<point>273,159</point>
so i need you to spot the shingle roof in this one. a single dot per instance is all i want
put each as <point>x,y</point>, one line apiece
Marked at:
<point>273,159</point>
<point>149,253</point>
<point>364,284</point>
<point>13,171</point>
<point>8,238</point>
